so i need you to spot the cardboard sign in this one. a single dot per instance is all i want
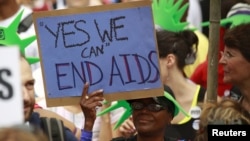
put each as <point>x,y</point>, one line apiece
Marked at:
<point>113,47</point>
<point>11,101</point>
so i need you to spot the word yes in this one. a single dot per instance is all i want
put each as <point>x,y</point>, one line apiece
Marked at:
<point>75,30</point>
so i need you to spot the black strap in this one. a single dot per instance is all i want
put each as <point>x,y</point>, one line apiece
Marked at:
<point>201,94</point>
<point>25,24</point>
<point>53,128</point>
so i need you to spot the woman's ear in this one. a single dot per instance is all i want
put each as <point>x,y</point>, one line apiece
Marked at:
<point>170,60</point>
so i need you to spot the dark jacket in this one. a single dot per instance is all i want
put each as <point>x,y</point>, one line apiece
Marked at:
<point>36,121</point>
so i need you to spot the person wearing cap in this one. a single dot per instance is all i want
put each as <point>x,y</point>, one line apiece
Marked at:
<point>151,116</point>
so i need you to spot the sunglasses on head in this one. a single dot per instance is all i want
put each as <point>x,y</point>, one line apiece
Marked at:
<point>153,107</point>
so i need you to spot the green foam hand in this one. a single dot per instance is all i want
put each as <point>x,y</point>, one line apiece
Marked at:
<point>10,37</point>
<point>233,20</point>
<point>32,60</point>
<point>178,106</point>
<point>168,14</point>
<point>128,111</point>
<point>118,104</point>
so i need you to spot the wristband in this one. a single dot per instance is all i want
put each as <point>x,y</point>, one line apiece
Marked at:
<point>86,135</point>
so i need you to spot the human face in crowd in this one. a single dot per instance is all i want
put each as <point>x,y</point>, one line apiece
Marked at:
<point>147,121</point>
<point>236,67</point>
<point>28,92</point>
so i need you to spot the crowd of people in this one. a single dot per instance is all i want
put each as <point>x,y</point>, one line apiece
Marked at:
<point>183,71</point>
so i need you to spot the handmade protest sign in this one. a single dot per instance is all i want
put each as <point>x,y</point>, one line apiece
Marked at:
<point>11,101</point>
<point>113,47</point>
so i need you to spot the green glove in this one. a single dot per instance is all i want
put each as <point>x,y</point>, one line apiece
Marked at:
<point>118,104</point>
<point>233,20</point>
<point>168,15</point>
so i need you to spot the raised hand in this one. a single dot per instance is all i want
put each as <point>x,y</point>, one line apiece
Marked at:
<point>89,103</point>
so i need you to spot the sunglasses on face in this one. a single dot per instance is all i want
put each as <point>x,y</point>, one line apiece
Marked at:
<point>154,107</point>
